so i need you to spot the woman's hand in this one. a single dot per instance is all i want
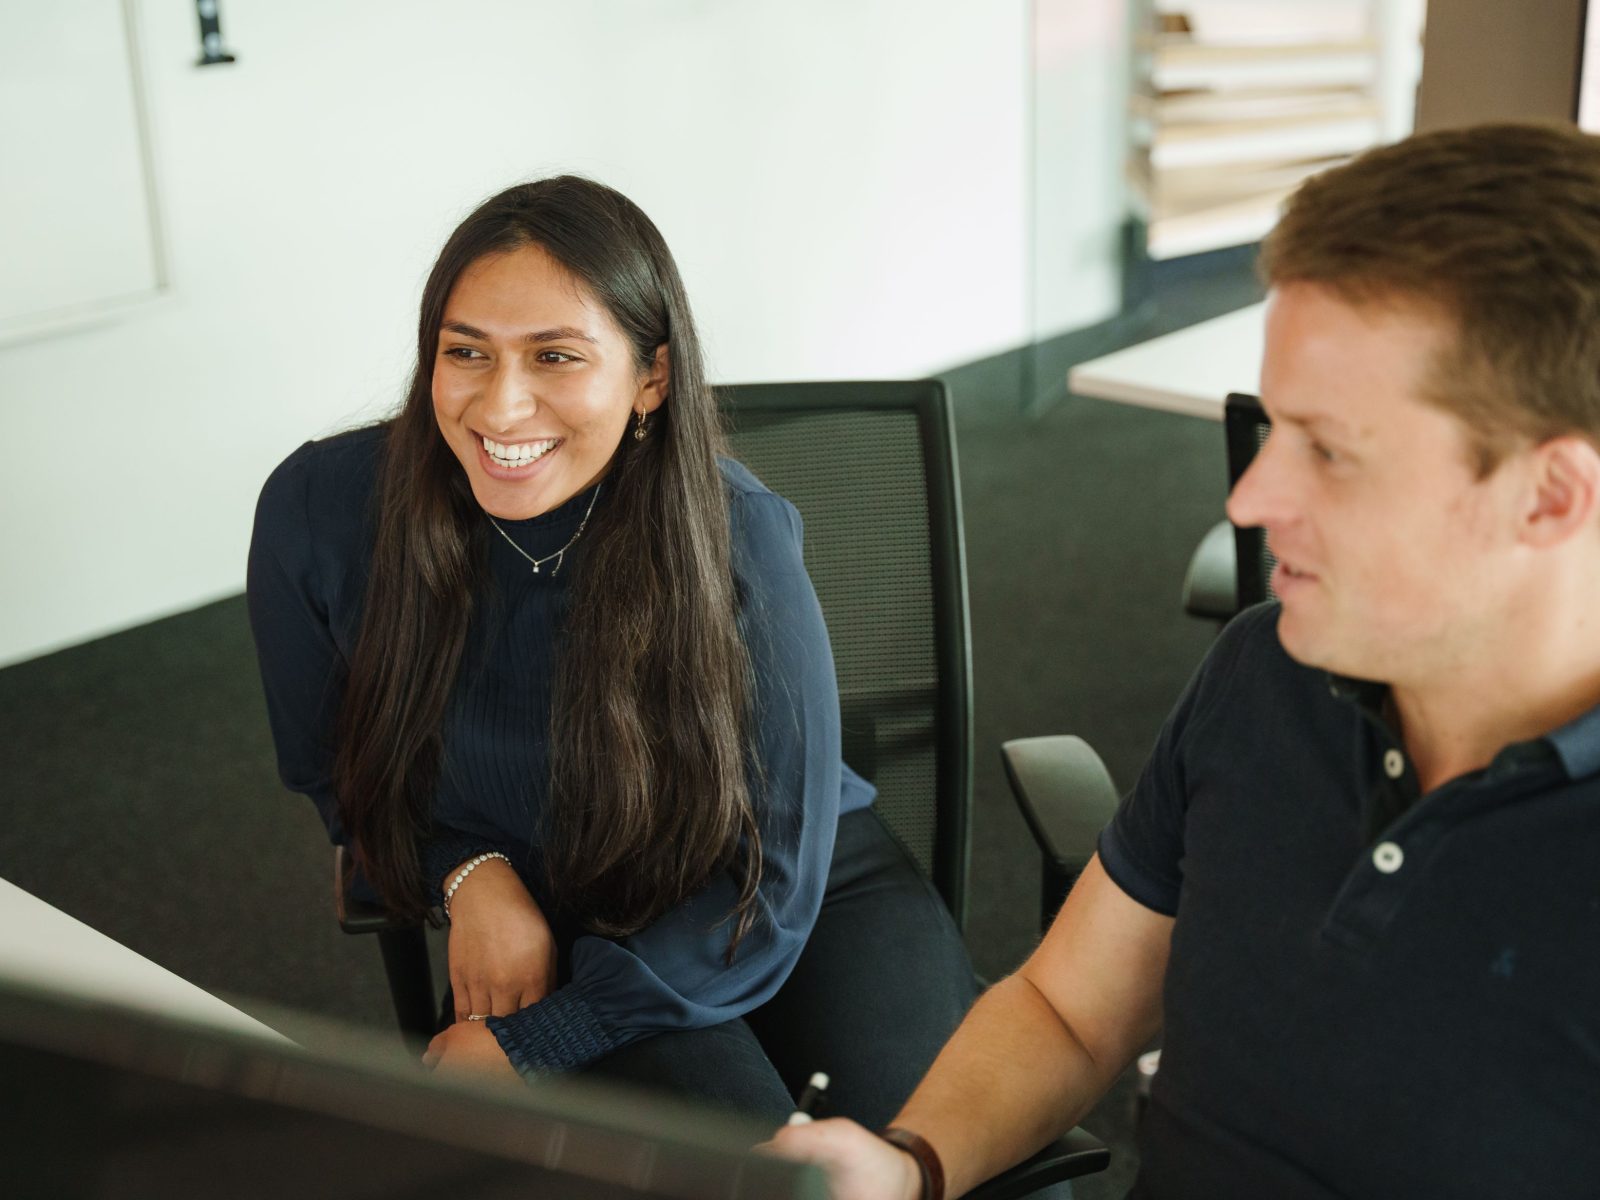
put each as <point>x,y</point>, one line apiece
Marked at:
<point>502,953</point>
<point>468,1048</point>
<point>859,1165</point>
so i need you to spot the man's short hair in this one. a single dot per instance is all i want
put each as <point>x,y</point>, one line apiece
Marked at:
<point>1496,228</point>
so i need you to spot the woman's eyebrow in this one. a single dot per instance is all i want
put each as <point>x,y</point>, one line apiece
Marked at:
<point>556,334</point>
<point>560,333</point>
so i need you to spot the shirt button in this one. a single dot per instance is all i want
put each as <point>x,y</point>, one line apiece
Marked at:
<point>1394,764</point>
<point>1387,857</point>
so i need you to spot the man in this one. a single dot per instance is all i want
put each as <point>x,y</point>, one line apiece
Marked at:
<point>1357,887</point>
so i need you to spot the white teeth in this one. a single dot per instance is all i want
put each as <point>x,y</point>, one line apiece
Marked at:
<point>519,454</point>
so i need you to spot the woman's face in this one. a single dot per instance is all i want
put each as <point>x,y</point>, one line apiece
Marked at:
<point>534,384</point>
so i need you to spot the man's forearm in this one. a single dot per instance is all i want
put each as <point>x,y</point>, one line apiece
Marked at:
<point>1041,1047</point>
<point>1032,1057</point>
<point>1011,1078</point>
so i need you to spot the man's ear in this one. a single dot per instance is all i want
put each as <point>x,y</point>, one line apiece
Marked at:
<point>1565,490</point>
<point>653,389</point>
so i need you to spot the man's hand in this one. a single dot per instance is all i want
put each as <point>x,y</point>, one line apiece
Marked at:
<point>502,953</point>
<point>468,1048</point>
<point>860,1165</point>
<point>1031,1057</point>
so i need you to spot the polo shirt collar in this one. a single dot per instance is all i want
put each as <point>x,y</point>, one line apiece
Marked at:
<point>1577,743</point>
<point>1366,694</point>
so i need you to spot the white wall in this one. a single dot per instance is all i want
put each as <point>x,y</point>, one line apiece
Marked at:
<point>1082,64</point>
<point>843,182</point>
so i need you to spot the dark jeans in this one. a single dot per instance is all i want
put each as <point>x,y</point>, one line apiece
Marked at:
<point>882,983</point>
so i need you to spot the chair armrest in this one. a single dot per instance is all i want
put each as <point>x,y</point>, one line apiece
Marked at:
<point>404,945</point>
<point>1211,586</point>
<point>1065,794</point>
<point>357,916</point>
<point>1075,1153</point>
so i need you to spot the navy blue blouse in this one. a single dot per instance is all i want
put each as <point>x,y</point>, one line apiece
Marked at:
<point>309,560</point>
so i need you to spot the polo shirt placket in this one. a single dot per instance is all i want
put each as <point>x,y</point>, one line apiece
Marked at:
<point>1404,827</point>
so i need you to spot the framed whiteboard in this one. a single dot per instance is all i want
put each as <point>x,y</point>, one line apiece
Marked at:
<point>80,232</point>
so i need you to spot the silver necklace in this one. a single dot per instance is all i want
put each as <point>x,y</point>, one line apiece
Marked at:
<point>559,555</point>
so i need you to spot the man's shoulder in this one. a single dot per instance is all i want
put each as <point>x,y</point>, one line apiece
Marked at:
<point>1248,646</point>
<point>1247,676</point>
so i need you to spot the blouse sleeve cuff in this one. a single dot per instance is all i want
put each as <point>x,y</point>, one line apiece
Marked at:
<point>560,1033</point>
<point>442,853</point>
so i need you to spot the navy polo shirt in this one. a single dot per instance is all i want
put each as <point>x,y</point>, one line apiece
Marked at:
<point>1371,992</point>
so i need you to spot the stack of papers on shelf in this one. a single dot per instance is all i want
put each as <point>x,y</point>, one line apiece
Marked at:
<point>1240,106</point>
<point>1270,20</point>
<point>1179,62</point>
<point>1202,106</point>
<point>1198,129</point>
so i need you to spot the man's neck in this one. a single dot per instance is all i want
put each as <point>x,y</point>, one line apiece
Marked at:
<point>1458,724</point>
<point>1527,669</point>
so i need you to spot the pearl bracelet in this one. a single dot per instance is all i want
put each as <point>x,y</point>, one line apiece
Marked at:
<point>468,870</point>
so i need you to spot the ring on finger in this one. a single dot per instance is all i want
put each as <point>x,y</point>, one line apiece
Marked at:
<point>478,1016</point>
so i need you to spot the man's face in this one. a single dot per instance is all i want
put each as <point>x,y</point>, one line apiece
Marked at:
<point>1394,559</point>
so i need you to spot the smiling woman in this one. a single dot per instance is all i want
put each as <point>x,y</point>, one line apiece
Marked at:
<point>534,383</point>
<point>544,658</point>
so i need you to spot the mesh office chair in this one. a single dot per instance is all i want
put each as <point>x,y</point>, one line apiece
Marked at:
<point>1059,781</point>
<point>1232,568</point>
<point>1247,428</point>
<point>872,469</point>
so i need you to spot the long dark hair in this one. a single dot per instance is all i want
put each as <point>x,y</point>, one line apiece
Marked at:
<point>649,794</point>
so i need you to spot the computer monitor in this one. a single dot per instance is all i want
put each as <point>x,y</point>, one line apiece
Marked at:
<point>106,1102</point>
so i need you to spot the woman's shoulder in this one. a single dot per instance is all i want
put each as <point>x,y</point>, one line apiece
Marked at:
<point>340,456</point>
<point>325,485</point>
<point>322,470</point>
<point>766,529</point>
<point>740,480</point>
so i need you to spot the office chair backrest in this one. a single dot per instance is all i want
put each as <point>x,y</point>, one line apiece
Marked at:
<point>872,469</point>
<point>1247,428</point>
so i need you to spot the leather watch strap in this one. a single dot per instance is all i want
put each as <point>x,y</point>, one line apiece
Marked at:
<point>928,1163</point>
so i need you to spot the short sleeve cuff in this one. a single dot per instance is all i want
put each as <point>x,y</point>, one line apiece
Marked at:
<point>1158,895</point>
<point>560,1033</point>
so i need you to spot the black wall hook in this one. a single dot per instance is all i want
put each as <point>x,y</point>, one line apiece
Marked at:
<point>211,51</point>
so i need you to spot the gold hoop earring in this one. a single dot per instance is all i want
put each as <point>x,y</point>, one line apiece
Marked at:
<point>639,430</point>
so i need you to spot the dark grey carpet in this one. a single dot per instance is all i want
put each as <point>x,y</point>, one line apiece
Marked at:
<point>137,770</point>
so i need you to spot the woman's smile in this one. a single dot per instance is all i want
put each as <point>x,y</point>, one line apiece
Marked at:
<point>513,461</point>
